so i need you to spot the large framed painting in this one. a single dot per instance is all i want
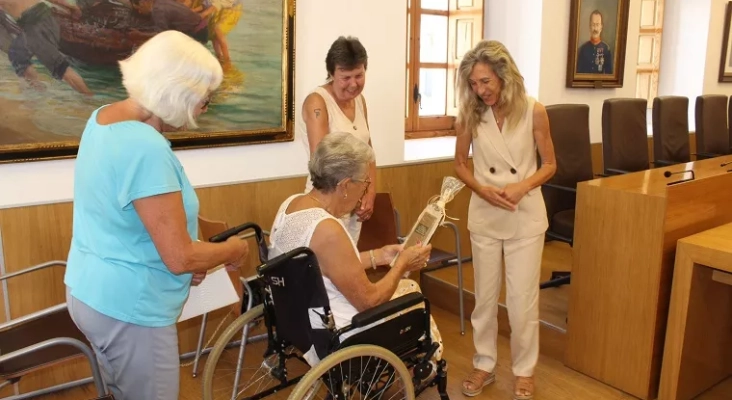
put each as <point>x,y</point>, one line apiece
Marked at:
<point>597,36</point>
<point>725,62</point>
<point>43,117</point>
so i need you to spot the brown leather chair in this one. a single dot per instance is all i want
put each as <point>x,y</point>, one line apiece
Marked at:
<point>624,135</point>
<point>44,339</point>
<point>384,228</point>
<point>712,136</point>
<point>670,130</point>
<point>569,125</point>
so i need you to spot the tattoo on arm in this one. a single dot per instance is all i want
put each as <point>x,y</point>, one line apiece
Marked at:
<point>317,112</point>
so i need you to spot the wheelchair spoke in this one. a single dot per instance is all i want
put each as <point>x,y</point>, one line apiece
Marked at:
<point>358,372</point>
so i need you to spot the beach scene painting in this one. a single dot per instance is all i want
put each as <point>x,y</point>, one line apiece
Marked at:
<point>59,62</point>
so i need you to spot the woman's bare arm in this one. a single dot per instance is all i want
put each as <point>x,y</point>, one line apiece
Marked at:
<point>165,219</point>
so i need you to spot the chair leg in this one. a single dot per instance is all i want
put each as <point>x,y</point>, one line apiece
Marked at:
<point>456,232</point>
<point>201,334</point>
<point>558,279</point>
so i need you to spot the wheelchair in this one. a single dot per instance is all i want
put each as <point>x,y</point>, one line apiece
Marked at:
<point>287,315</point>
<point>44,339</point>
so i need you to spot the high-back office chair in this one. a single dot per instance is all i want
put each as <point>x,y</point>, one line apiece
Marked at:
<point>712,136</point>
<point>570,128</point>
<point>624,135</point>
<point>670,130</point>
<point>384,228</point>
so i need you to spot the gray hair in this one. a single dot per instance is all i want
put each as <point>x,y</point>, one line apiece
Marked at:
<point>338,156</point>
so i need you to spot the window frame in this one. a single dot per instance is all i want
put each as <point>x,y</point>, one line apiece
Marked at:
<point>416,126</point>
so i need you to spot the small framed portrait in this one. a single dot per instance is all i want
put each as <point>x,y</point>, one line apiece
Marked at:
<point>725,62</point>
<point>597,38</point>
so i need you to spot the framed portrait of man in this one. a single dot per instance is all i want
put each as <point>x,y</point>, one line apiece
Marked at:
<point>725,62</point>
<point>597,38</point>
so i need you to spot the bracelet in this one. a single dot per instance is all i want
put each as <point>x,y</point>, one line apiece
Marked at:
<point>373,259</point>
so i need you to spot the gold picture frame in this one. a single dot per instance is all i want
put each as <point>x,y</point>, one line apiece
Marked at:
<point>597,38</point>
<point>254,105</point>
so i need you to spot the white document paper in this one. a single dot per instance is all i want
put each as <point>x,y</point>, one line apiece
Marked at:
<point>215,292</point>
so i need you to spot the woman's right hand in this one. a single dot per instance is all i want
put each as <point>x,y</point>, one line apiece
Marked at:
<point>241,251</point>
<point>492,195</point>
<point>415,257</point>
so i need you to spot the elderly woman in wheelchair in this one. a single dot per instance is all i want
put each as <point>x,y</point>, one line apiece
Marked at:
<point>312,301</point>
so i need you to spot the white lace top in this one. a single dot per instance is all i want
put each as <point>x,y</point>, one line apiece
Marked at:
<point>294,230</point>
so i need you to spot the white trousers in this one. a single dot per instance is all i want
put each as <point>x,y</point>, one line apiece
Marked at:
<point>523,266</point>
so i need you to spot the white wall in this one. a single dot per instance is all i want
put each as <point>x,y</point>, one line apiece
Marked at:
<point>684,49</point>
<point>318,23</point>
<point>517,24</point>
<point>554,37</point>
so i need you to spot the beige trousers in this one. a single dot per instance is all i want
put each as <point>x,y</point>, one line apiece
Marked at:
<point>523,265</point>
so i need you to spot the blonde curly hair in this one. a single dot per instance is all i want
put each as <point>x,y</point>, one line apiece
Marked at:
<point>513,97</point>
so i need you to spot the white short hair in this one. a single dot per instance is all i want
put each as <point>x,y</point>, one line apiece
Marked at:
<point>169,75</point>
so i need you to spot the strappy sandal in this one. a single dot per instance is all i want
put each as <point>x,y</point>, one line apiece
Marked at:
<point>475,382</point>
<point>523,389</point>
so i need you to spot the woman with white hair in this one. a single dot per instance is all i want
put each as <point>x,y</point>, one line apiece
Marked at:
<point>507,217</point>
<point>134,253</point>
<point>339,168</point>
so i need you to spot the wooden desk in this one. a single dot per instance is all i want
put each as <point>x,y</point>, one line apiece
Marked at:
<point>698,347</point>
<point>626,229</point>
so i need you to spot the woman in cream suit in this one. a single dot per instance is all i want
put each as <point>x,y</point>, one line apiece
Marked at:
<point>507,217</point>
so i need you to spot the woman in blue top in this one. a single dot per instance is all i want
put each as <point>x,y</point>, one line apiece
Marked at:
<point>134,253</point>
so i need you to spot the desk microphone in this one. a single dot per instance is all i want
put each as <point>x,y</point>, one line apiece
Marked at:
<point>668,174</point>
<point>724,164</point>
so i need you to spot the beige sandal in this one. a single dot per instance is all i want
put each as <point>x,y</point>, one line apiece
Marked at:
<point>523,389</point>
<point>476,381</point>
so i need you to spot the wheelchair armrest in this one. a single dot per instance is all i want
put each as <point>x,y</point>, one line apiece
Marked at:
<point>384,310</point>
<point>34,268</point>
<point>560,187</point>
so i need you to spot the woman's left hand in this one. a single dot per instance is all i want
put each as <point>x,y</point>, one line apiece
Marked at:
<point>198,277</point>
<point>389,252</point>
<point>514,192</point>
<point>366,208</point>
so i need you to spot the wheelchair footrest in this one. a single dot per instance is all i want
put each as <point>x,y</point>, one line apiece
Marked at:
<point>384,310</point>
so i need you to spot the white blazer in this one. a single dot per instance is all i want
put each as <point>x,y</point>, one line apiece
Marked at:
<point>500,158</point>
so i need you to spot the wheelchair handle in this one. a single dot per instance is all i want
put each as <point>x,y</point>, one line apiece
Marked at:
<point>223,236</point>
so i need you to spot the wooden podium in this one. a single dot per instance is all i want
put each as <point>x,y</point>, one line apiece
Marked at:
<point>626,229</point>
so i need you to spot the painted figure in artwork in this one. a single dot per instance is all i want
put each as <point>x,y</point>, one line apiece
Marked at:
<point>35,32</point>
<point>594,56</point>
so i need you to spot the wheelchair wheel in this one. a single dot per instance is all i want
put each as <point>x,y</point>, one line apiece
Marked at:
<point>240,365</point>
<point>366,371</point>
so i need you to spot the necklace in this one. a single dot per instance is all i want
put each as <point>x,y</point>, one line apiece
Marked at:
<point>319,202</point>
